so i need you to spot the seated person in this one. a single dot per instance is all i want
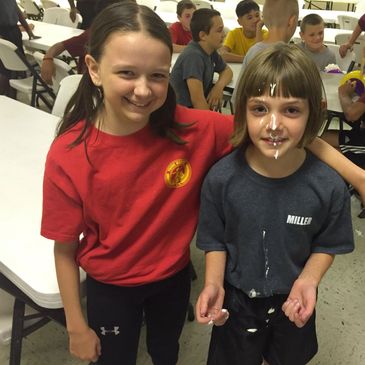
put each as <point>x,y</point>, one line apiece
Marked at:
<point>354,109</point>
<point>312,34</point>
<point>350,142</point>
<point>75,46</point>
<point>192,74</point>
<point>180,31</point>
<point>239,40</point>
<point>355,34</point>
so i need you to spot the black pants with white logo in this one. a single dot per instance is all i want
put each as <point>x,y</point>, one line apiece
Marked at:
<point>115,313</point>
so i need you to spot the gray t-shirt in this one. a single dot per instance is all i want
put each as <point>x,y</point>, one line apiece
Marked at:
<point>321,59</point>
<point>194,63</point>
<point>270,227</point>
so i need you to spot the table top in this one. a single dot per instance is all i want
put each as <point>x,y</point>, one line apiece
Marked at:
<point>50,34</point>
<point>329,16</point>
<point>26,258</point>
<point>329,34</point>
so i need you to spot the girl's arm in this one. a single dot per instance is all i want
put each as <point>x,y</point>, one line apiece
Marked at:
<point>210,301</point>
<point>84,343</point>
<point>348,170</point>
<point>301,301</point>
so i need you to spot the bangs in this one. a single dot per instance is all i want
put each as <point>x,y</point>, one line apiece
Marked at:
<point>277,79</point>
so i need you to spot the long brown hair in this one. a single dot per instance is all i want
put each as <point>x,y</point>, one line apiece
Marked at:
<point>88,99</point>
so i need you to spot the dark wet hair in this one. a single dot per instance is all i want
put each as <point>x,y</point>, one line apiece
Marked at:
<point>294,74</point>
<point>201,21</point>
<point>246,6</point>
<point>88,98</point>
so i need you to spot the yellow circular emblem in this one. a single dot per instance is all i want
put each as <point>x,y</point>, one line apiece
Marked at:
<point>177,173</point>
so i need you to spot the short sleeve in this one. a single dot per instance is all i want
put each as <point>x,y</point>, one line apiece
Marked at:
<point>193,67</point>
<point>173,33</point>
<point>220,65</point>
<point>229,40</point>
<point>75,46</point>
<point>362,22</point>
<point>336,235</point>
<point>211,226</point>
<point>62,215</point>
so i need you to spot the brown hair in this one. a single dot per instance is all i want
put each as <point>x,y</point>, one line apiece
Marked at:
<point>184,4</point>
<point>310,19</point>
<point>294,74</point>
<point>88,99</point>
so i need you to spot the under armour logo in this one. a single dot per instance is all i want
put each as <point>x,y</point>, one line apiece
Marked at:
<point>104,331</point>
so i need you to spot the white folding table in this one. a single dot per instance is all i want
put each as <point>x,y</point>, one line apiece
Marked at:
<point>49,35</point>
<point>27,270</point>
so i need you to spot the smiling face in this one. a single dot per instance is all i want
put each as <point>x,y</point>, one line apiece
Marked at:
<point>313,37</point>
<point>275,126</point>
<point>249,22</point>
<point>185,18</point>
<point>133,72</point>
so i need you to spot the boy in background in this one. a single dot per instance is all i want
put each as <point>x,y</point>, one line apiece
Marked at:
<point>192,74</point>
<point>239,40</point>
<point>180,31</point>
<point>312,33</point>
<point>281,19</point>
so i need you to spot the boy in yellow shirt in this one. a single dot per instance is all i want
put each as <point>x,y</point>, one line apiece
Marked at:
<point>239,40</point>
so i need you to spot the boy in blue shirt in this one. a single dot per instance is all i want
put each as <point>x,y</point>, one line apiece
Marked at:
<point>192,74</point>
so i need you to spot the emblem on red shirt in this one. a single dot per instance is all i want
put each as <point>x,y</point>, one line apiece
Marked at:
<point>178,173</point>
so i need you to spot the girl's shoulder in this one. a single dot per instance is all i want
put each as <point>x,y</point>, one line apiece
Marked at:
<point>63,141</point>
<point>203,117</point>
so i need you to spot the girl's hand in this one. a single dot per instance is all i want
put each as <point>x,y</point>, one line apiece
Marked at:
<point>301,302</point>
<point>209,306</point>
<point>85,345</point>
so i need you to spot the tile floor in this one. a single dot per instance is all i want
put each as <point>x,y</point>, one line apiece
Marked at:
<point>340,323</point>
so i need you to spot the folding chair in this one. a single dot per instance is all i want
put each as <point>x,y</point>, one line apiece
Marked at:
<point>167,6</point>
<point>152,4</point>
<point>347,63</point>
<point>14,60</point>
<point>347,21</point>
<point>200,4</point>
<point>343,38</point>
<point>31,9</point>
<point>49,4</point>
<point>61,16</point>
<point>67,88</point>
<point>62,70</point>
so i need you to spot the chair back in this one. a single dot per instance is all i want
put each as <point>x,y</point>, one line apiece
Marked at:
<point>343,38</point>
<point>200,4</point>
<point>152,4</point>
<point>32,10</point>
<point>10,58</point>
<point>347,63</point>
<point>61,16</point>
<point>347,21</point>
<point>168,6</point>
<point>49,4</point>
<point>68,86</point>
<point>62,69</point>
<point>360,8</point>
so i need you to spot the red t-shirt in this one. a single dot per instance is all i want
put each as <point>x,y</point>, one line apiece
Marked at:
<point>134,198</point>
<point>179,35</point>
<point>76,47</point>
